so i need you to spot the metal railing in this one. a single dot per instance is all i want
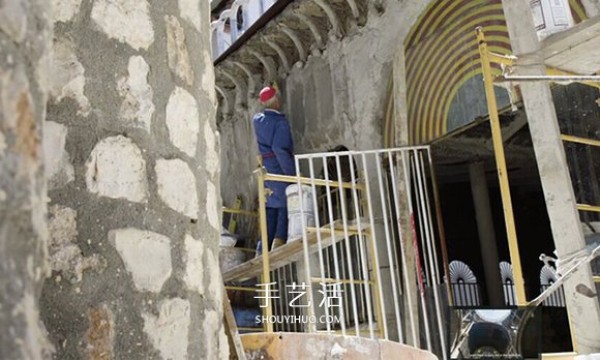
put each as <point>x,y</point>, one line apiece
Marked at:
<point>466,294</point>
<point>367,260</point>
<point>510,297</point>
<point>556,299</point>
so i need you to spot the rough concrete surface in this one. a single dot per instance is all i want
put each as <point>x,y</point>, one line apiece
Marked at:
<point>25,39</point>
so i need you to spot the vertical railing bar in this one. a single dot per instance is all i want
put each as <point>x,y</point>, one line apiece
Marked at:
<point>386,227</point>
<point>342,193</point>
<point>287,306</point>
<point>376,269</point>
<point>339,247</point>
<point>307,275</point>
<point>429,241</point>
<point>407,292</point>
<point>394,240</point>
<point>361,246</point>
<point>440,224</point>
<point>276,326</point>
<point>407,179</point>
<point>422,226</point>
<point>332,230</point>
<point>430,219</point>
<point>288,309</point>
<point>319,239</point>
<point>276,273</point>
<point>361,290</point>
<point>294,278</point>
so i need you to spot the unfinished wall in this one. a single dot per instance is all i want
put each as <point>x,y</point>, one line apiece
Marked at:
<point>25,35</point>
<point>133,182</point>
<point>336,97</point>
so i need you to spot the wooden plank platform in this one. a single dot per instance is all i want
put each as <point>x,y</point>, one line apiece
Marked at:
<point>292,251</point>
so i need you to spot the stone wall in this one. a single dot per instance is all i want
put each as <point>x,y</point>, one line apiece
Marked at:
<point>133,182</point>
<point>25,31</point>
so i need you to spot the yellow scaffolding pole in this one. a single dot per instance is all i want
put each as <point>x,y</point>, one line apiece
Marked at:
<point>266,275</point>
<point>233,219</point>
<point>240,288</point>
<point>586,207</point>
<point>309,181</point>
<point>509,219</point>
<point>580,140</point>
<point>240,212</point>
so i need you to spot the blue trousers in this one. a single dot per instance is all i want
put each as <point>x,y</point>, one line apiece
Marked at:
<point>277,226</point>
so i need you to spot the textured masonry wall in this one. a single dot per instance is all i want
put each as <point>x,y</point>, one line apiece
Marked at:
<point>25,31</point>
<point>335,97</point>
<point>133,182</point>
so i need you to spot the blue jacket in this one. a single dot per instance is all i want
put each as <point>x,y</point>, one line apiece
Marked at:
<point>276,147</point>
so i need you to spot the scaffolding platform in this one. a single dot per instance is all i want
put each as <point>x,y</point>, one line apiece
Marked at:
<point>294,251</point>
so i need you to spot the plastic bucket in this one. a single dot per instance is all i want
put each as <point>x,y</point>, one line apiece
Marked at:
<point>295,215</point>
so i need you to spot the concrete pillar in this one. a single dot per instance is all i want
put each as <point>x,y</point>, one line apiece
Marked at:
<point>592,7</point>
<point>133,182</point>
<point>584,311</point>
<point>401,138</point>
<point>25,40</point>
<point>487,235</point>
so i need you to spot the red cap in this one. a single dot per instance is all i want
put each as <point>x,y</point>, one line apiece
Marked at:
<point>267,94</point>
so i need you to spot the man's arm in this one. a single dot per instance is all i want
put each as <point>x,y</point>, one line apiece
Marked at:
<point>283,147</point>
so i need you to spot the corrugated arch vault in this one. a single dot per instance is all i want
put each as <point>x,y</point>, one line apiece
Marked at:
<point>442,63</point>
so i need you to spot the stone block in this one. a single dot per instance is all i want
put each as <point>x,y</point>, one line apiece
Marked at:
<point>168,331</point>
<point>177,186</point>
<point>177,53</point>
<point>125,20</point>
<point>59,170</point>
<point>64,10</point>
<point>116,169</point>
<point>137,106</point>
<point>147,256</point>
<point>183,120</point>
<point>194,264</point>
<point>67,76</point>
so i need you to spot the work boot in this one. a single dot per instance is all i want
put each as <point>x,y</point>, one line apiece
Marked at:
<point>277,242</point>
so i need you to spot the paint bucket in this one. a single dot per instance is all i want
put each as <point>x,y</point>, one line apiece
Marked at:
<point>295,214</point>
<point>551,16</point>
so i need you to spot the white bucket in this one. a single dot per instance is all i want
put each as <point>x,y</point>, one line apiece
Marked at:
<point>551,16</point>
<point>294,212</point>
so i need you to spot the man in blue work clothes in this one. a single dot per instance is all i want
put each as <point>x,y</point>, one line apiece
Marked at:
<point>276,148</point>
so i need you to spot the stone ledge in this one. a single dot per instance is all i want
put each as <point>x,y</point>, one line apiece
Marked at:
<point>292,346</point>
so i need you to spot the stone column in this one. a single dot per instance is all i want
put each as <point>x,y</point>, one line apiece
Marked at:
<point>133,182</point>
<point>584,310</point>
<point>25,39</point>
<point>487,235</point>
